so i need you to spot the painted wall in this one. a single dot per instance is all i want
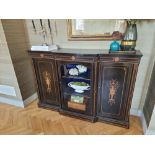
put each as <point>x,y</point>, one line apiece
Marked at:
<point>7,74</point>
<point>146,33</point>
<point>151,127</point>
<point>149,103</point>
<point>17,43</point>
<point>17,86</point>
<point>146,39</point>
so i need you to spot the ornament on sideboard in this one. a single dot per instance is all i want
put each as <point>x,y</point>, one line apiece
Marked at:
<point>50,29</point>
<point>44,32</point>
<point>114,46</point>
<point>130,37</point>
<point>47,29</point>
<point>34,27</point>
<point>55,27</point>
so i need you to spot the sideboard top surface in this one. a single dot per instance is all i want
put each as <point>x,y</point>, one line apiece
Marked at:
<point>90,52</point>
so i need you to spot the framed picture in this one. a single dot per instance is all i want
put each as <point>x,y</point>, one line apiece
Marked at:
<point>96,29</point>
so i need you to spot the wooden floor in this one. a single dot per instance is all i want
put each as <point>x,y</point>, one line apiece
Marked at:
<point>33,120</point>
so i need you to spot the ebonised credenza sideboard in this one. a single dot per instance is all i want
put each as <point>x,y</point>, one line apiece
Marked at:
<point>107,81</point>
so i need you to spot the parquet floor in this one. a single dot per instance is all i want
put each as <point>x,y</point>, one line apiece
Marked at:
<point>33,120</point>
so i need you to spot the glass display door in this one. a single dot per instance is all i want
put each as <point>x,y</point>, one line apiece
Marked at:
<point>76,86</point>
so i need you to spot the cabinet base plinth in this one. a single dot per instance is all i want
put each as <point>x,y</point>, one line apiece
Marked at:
<point>120,123</point>
<point>48,106</point>
<point>77,115</point>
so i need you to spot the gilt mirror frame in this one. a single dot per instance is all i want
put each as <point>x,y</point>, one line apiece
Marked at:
<point>115,35</point>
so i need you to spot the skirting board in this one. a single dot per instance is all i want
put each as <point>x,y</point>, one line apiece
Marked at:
<point>150,132</point>
<point>30,99</point>
<point>15,102</point>
<point>146,129</point>
<point>18,103</point>
<point>143,122</point>
<point>140,114</point>
<point>135,112</point>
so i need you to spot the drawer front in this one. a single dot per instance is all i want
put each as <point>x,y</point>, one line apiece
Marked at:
<point>117,59</point>
<point>42,55</point>
<point>80,58</point>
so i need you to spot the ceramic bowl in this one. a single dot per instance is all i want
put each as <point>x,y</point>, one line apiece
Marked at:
<point>78,89</point>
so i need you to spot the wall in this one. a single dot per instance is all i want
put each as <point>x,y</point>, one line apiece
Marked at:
<point>151,128</point>
<point>7,74</point>
<point>146,31</point>
<point>146,39</point>
<point>150,99</point>
<point>16,39</point>
<point>61,37</point>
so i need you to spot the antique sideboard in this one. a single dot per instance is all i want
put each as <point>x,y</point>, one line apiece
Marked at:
<point>110,76</point>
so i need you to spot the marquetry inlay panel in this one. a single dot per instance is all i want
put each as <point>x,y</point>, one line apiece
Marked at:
<point>114,85</point>
<point>47,79</point>
<point>113,81</point>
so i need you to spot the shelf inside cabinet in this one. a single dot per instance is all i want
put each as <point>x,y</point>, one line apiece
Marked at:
<point>66,72</point>
<point>76,77</point>
<point>76,87</point>
<point>70,91</point>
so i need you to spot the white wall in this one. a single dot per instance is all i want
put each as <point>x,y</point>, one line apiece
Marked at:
<point>152,122</point>
<point>146,39</point>
<point>8,80</point>
<point>146,33</point>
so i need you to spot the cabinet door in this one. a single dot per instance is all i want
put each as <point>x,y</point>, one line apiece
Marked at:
<point>72,100</point>
<point>48,86</point>
<point>113,89</point>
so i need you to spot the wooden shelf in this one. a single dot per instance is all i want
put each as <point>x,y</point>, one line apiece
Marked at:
<point>75,77</point>
<point>70,91</point>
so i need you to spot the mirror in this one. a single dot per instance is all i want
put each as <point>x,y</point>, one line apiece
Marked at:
<point>96,29</point>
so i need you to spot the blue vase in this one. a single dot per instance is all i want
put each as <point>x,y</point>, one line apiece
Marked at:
<point>114,46</point>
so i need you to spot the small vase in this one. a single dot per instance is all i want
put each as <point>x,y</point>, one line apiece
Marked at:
<point>129,41</point>
<point>114,46</point>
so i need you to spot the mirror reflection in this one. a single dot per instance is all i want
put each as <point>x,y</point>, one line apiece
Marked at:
<point>96,29</point>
